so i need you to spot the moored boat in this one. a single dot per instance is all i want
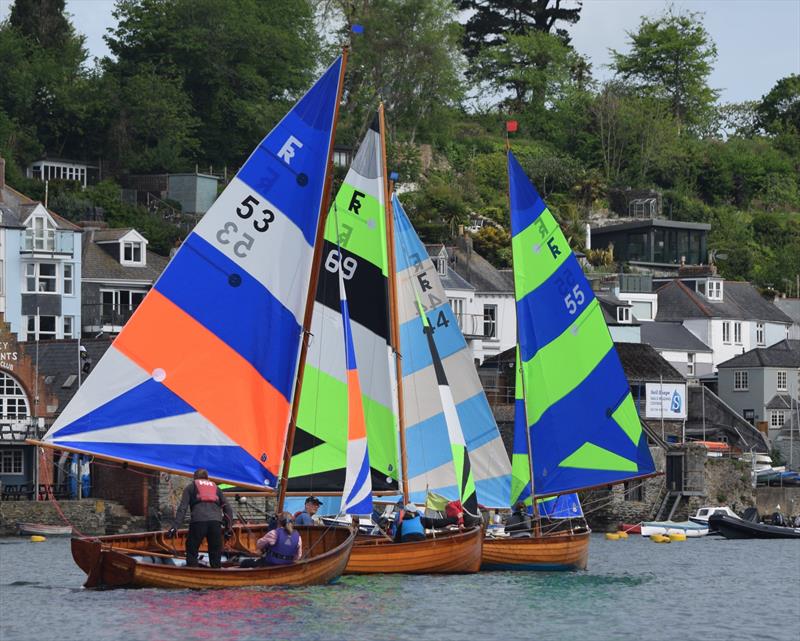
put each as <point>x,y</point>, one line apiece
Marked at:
<point>558,551</point>
<point>735,528</point>
<point>42,529</point>
<point>630,528</point>
<point>149,560</point>
<point>691,530</point>
<point>702,515</point>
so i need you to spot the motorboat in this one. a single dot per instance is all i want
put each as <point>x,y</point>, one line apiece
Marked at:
<point>690,529</point>
<point>732,527</point>
<point>701,517</point>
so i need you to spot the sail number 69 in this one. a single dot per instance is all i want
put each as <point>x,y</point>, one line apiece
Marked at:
<point>347,265</point>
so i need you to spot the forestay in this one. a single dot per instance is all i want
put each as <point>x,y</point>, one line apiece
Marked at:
<point>430,462</point>
<point>204,372</point>
<point>584,427</point>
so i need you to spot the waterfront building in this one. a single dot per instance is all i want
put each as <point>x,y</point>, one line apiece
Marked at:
<point>46,169</point>
<point>679,347</point>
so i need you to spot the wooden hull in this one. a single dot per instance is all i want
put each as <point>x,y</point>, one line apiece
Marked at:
<point>558,551</point>
<point>136,561</point>
<point>446,553</point>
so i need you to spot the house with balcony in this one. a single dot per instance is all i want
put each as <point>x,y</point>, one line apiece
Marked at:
<point>481,296</point>
<point>730,317</point>
<point>763,384</point>
<point>118,271</point>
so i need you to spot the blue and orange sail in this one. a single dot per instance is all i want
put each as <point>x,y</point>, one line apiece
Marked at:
<point>583,423</point>
<point>203,375</point>
<point>357,493</point>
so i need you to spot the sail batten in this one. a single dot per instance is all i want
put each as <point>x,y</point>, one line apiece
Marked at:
<point>204,372</point>
<point>584,428</point>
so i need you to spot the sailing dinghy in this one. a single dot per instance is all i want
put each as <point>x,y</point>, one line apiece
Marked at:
<point>205,373</point>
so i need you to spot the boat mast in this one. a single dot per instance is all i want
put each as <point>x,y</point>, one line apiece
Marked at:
<point>312,294</point>
<point>393,313</point>
<point>537,521</point>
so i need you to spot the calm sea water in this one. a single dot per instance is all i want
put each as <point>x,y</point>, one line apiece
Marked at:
<point>704,589</point>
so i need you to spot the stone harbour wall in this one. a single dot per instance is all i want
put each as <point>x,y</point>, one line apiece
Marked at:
<point>87,515</point>
<point>768,500</point>
<point>727,482</point>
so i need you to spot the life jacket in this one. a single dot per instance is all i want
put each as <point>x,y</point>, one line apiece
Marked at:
<point>456,510</point>
<point>282,553</point>
<point>206,491</point>
<point>409,525</point>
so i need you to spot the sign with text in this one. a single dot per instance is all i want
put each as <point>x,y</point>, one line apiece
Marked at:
<point>667,400</point>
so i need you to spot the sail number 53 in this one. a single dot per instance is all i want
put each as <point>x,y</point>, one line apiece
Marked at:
<point>230,230</point>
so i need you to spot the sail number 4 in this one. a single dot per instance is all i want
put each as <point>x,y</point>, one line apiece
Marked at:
<point>245,210</point>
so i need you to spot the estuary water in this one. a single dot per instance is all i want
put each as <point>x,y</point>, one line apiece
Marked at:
<point>709,589</point>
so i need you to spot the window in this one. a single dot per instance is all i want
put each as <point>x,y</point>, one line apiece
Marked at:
<point>690,363</point>
<point>13,401</point>
<point>782,380</point>
<point>623,314</point>
<point>11,461</point>
<point>737,333</point>
<point>776,418</point>
<point>118,305</point>
<point>441,266</point>
<point>490,321</point>
<point>69,282</point>
<point>40,236</point>
<point>740,381</point>
<point>726,332</point>
<point>40,277</point>
<point>714,290</point>
<point>46,327</point>
<point>749,416</point>
<point>132,252</point>
<point>457,305</point>
<point>69,326</point>
<point>760,334</point>
<point>634,491</point>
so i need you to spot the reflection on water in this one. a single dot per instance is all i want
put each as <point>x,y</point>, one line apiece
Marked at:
<point>632,589</point>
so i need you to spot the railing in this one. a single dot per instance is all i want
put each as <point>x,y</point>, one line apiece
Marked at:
<point>19,430</point>
<point>473,325</point>
<point>50,241</point>
<point>108,316</point>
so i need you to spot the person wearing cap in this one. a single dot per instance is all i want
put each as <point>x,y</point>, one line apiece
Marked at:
<point>280,546</point>
<point>408,525</point>
<point>519,523</point>
<point>307,517</point>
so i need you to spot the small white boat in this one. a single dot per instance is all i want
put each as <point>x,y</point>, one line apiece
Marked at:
<point>691,530</point>
<point>702,515</point>
<point>44,530</point>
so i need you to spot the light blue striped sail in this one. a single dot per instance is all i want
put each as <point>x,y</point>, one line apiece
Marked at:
<point>429,454</point>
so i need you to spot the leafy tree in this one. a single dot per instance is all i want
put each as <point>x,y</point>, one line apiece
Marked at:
<point>494,244</point>
<point>672,56</point>
<point>779,113</point>
<point>43,21</point>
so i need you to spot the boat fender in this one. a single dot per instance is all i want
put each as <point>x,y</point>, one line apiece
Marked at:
<point>677,536</point>
<point>37,538</point>
<point>206,491</point>
<point>659,538</point>
<point>612,536</point>
<point>623,534</point>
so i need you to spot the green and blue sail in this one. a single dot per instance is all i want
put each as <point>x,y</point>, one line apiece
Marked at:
<point>583,423</point>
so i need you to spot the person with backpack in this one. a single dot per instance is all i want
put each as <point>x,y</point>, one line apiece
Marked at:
<point>209,510</point>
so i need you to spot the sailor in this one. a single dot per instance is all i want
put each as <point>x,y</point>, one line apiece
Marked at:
<point>280,546</point>
<point>209,509</point>
<point>519,523</point>
<point>408,526</point>
<point>311,507</point>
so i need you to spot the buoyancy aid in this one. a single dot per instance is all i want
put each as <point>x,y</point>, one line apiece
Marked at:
<point>410,524</point>
<point>282,553</point>
<point>206,491</point>
<point>454,509</point>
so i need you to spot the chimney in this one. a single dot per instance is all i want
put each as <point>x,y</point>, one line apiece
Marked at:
<point>588,236</point>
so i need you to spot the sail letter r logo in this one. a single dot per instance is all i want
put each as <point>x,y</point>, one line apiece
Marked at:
<point>424,282</point>
<point>553,247</point>
<point>289,147</point>
<point>355,201</point>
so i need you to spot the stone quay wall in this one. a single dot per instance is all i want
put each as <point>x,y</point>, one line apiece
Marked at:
<point>87,515</point>
<point>769,498</point>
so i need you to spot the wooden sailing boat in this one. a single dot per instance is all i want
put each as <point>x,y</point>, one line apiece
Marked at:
<point>229,315</point>
<point>576,424</point>
<point>359,255</point>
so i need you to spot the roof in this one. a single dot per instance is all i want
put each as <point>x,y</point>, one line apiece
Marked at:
<point>609,303</point>
<point>663,335</point>
<point>790,307</point>
<point>100,265</point>
<point>109,235</point>
<point>643,363</point>
<point>478,271</point>
<point>599,230</point>
<point>786,353</point>
<point>781,402</point>
<point>58,363</point>
<point>741,301</point>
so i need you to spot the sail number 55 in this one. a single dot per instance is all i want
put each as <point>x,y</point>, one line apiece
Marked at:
<point>574,299</point>
<point>230,230</point>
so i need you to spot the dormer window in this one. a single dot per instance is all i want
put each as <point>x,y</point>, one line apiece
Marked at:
<point>40,236</point>
<point>623,314</point>
<point>441,265</point>
<point>132,253</point>
<point>714,289</point>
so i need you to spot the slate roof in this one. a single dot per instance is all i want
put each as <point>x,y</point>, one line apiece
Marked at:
<point>16,207</point>
<point>107,235</point>
<point>662,335</point>
<point>786,353</point>
<point>740,301</point>
<point>643,363</point>
<point>781,402</point>
<point>58,361</point>
<point>99,264</point>
<point>608,304</point>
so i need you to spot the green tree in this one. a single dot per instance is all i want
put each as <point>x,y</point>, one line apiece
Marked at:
<point>778,113</point>
<point>43,21</point>
<point>672,56</point>
<point>494,244</point>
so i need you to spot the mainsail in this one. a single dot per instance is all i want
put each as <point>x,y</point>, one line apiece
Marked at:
<point>203,374</point>
<point>430,458</point>
<point>584,427</point>
<point>355,247</point>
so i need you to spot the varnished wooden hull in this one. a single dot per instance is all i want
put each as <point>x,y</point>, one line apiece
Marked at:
<point>111,561</point>
<point>446,553</point>
<point>557,551</point>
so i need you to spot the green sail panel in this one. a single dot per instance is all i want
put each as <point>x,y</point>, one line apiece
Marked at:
<point>355,241</point>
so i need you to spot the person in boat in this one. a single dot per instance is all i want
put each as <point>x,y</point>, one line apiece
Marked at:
<point>307,517</point>
<point>281,546</point>
<point>519,523</point>
<point>209,510</point>
<point>408,525</point>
